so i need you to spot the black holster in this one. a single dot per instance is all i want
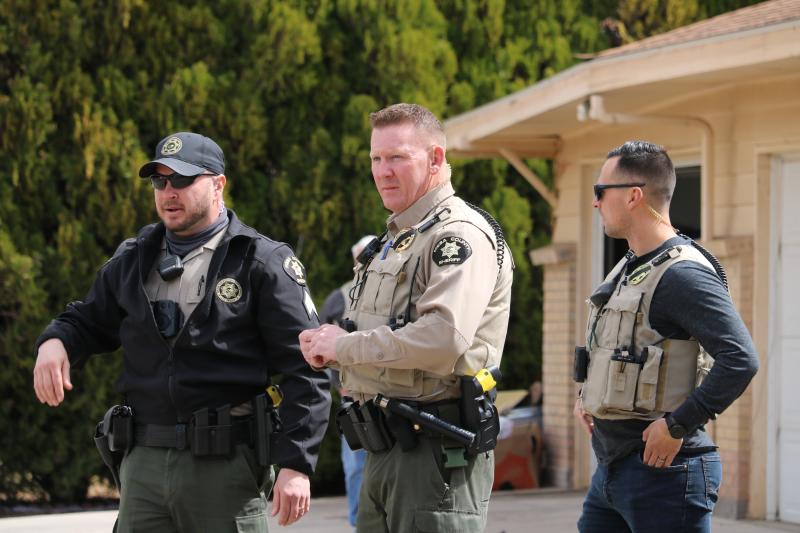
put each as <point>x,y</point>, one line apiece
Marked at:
<point>580,367</point>
<point>266,423</point>
<point>479,415</point>
<point>113,437</point>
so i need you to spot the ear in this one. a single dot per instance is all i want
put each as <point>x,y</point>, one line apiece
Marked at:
<point>220,182</point>
<point>437,160</point>
<point>635,198</point>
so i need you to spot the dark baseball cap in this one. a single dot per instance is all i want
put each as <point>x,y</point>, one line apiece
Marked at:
<point>188,154</point>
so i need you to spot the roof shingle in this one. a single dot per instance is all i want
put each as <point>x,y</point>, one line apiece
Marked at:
<point>746,18</point>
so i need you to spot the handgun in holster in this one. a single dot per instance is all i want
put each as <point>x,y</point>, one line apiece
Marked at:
<point>267,422</point>
<point>113,437</point>
<point>478,412</point>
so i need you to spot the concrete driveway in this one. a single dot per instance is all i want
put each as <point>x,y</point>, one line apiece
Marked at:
<point>542,510</point>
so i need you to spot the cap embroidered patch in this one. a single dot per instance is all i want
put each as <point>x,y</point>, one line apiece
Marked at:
<point>638,275</point>
<point>404,239</point>
<point>229,290</point>
<point>295,269</point>
<point>451,251</point>
<point>172,146</point>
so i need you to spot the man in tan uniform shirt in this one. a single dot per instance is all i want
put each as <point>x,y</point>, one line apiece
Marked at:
<point>430,305</point>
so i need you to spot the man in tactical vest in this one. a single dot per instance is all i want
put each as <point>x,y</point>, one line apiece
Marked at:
<point>206,310</point>
<point>665,352</point>
<point>427,319</point>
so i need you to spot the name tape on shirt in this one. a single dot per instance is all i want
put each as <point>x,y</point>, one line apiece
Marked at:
<point>451,251</point>
<point>295,270</point>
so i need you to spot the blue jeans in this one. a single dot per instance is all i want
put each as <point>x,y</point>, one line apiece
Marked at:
<point>353,464</point>
<point>629,496</point>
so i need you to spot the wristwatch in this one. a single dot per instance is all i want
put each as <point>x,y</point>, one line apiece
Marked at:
<point>676,430</point>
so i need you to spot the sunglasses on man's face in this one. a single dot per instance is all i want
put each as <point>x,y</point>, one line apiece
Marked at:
<point>600,187</point>
<point>178,181</point>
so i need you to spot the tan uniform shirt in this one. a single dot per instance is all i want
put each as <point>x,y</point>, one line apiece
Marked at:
<point>444,284</point>
<point>190,287</point>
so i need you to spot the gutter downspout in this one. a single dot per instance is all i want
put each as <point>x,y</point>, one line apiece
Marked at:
<point>593,108</point>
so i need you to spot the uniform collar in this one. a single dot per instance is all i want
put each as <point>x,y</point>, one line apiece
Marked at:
<point>210,245</point>
<point>420,209</point>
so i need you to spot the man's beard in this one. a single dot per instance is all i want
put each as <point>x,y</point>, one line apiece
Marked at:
<point>192,218</point>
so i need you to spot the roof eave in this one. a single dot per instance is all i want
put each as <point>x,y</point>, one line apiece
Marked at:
<point>469,134</point>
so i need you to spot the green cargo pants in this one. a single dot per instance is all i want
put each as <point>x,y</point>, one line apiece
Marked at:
<point>165,490</point>
<point>411,491</point>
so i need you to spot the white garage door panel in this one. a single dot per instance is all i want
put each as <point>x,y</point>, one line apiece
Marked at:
<point>790,293</point>
<point>787,342</point>
<point>790,194</point>
<point>790,473</point>
<point>790,403</point>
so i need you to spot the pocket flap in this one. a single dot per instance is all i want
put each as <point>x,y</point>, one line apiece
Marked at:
<point>627,301</point>
<point>447,521</point>
<point>392,265</point>
<point>649,373</point>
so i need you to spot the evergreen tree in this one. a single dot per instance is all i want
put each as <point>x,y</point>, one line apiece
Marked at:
<point>88,87</point>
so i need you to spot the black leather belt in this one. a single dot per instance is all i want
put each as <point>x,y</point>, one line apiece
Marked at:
<point>179,435</point>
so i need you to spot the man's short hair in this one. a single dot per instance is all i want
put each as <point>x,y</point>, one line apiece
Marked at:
<point>421,117</point>
<point>649,162</point>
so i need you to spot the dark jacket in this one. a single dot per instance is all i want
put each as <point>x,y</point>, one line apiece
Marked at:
<point>226,352</point>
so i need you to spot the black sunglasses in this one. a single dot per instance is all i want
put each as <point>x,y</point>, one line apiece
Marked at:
<point>600,187</point>
<point>178,181</point>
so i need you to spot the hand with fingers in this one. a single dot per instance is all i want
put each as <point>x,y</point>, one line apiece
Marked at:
<point>291,496</point>
<point>51,373</point>
<point>660,448</point>
<point>585,418</point>
<point>319,345</point>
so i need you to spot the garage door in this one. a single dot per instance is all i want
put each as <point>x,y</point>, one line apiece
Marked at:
<point>788,340</point>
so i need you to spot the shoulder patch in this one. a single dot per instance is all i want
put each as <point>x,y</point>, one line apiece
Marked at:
<point>638,275</point>
<point>295,270</point>
<point>451,251</point>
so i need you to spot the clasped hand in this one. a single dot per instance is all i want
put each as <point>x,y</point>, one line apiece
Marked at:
<point>319,345</point>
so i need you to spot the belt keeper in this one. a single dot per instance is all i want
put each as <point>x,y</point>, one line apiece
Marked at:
<point>180,437</point>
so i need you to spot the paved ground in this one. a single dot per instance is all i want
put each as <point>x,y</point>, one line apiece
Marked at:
<point>510,512</point>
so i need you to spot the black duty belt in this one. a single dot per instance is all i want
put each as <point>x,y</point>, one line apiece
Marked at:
<point>180,435</point>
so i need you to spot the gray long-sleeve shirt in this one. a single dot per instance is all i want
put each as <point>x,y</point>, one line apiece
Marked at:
<point>689,301</point>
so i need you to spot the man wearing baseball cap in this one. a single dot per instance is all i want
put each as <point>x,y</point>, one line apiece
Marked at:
<point>206,311</point>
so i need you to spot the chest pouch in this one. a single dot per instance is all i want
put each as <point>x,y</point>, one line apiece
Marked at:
<point>169,317</point>
<point>616,371</point>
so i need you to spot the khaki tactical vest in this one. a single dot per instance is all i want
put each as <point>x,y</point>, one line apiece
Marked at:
<point>633,371</point>
<point>385,294</point>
